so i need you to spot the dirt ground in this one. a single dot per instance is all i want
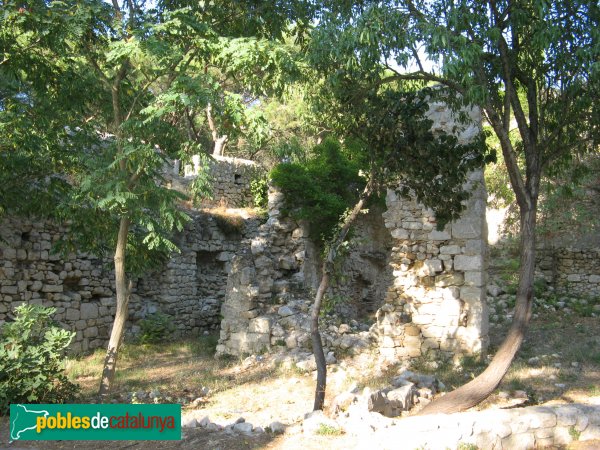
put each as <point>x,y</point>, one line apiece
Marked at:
<point>567,371</point>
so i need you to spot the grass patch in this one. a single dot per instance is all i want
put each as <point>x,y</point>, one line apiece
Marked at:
<point>452,375</point>
<point>594,390</point>
<point>574,433</point>
<point>179,369</point>
<point>328,430</point>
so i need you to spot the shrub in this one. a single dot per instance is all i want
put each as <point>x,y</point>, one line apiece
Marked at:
<point>321,189</point>
<point>32,353</point>
<point>259,188</point>
<point>155,328</point>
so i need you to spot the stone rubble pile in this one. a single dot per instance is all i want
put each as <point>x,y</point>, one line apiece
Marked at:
<point>502,297</point>
<point>408,391</point>
<point>197,419</point>
<point>520,428</point>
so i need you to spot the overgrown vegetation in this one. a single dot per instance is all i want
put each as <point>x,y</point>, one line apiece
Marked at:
<point>259,188</point>
<point>32,355</point>
<point>320,190</point>
<point>156,328</point>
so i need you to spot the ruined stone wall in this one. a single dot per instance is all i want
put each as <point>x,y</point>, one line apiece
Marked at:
<point>365,274</point>
<point>437,301</point>
<point>572,271</point>
<point>230,179</point>
<point>425,287</point>
<point>81,286</point>
<point>265,289</point>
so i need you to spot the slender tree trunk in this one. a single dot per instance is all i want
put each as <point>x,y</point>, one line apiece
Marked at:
<point>317,344</point>
<point>482,386</point>
<point>219,142</point>
<point>123,292</point>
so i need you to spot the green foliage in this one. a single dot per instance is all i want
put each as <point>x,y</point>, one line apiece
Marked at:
<point>463,446</point>
<point>330,302</point>
<point>32,352</point>
<point>574,433</point>
<point>259,187</point>
<point>328,430</point>
<point>156,328</point>
<point>320,190</point>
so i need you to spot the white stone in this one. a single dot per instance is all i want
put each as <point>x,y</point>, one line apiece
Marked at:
<point>463,262</point>
<point>260,325</point>
<point>467,228</point>
<point>436,235</point>
<point>285,311</point>
<point>400,233</point>
<point>243,427</point>
<point>450,249</point>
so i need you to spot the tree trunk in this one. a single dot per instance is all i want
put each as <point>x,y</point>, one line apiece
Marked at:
<point>123,292</point>
<point>219,142</point>
<point>317,344</point>
<point>220,146</point>
<point>483,385</point>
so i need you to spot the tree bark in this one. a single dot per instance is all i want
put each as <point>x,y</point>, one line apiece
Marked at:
<point>317,344</point>
<point>483,385</point>
<point>219,142</point>
<point>123,292</point>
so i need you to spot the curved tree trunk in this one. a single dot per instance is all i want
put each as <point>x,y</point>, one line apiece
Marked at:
<point>483,385</point>
<point>317,344</point>
<point>116,335</point>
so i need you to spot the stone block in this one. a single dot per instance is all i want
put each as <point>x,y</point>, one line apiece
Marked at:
<point>9,253</point>
<point>400,233</point>
<point>464,263</point>
<point>475,247</point>
<point>260,325</point>
<point>90,332</point>
<point>474,278</point>
<point>471,295</point>
<point>11,290</point>
<point>411,330</point>
<point>72,314</point>
<point>401,399</point>
<point>450,249</point>
<point>89,311</point>
<point>467,228</point>
<point>443,235</point>
<point>450,279</point>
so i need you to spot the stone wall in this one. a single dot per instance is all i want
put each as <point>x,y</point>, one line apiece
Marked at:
<point>81,286</point>
<point>554,426</point>
<point>572,271</point>
<point>365,274</point>
<point>230,179</point>
<point>266,284</point>
<point>437,301</point>
<point>425,288</point>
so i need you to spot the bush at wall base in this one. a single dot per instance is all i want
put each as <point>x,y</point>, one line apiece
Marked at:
<point>32,354</point>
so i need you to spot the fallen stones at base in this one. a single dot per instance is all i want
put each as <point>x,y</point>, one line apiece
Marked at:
<point>196,419</point>
<point>521,428</point>
<point>408,390</point>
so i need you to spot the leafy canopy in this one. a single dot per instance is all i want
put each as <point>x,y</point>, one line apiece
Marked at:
<point>94,101</point>
<point>320,190</point>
